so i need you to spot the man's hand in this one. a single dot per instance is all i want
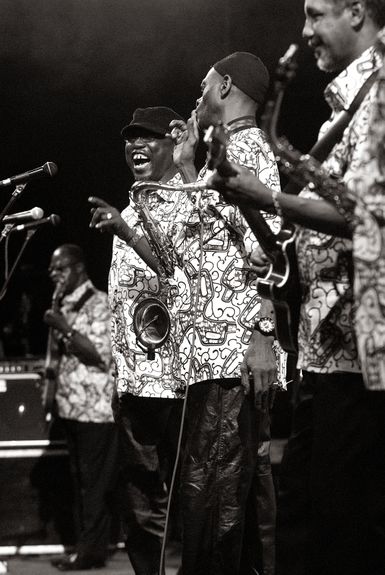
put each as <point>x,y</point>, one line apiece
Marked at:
<point>56,320</point>
<point>260,263</point>
<point>185,136</point>
<point>106,218</point>
<point>259,370</point>
<point>241,189</point>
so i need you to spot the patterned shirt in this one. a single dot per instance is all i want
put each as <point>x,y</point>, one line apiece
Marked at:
<point>130,282</point>
<point>326,335</point>
<point>224,302</point>
<point>368,184</point>
<point>84,392</point>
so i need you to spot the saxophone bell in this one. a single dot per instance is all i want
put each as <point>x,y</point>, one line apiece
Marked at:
<point>151,325</point>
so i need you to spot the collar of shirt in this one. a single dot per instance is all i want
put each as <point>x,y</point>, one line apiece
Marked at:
<point>71,299</point>
<point>241,124</point>
<point>340,92</point>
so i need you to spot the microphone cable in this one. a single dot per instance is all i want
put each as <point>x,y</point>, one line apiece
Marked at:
<point>184,408</point>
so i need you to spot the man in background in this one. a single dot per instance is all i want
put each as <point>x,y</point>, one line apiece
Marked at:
<point>80,320</point>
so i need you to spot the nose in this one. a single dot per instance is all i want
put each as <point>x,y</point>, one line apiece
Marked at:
<point>199,100</point>
<point>139,142</point>
<point>307,30</point>
<point>53,274</point>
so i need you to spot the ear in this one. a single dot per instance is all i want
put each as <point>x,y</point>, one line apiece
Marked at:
<point>225,87</point>
<point>357,10</point>
<point>80,267</point>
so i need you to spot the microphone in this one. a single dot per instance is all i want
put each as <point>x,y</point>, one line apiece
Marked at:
<point>48,169</point>
<point>53,219</point>
<point>33,214</point>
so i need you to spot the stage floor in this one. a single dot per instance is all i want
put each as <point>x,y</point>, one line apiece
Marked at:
<point>118,564</point>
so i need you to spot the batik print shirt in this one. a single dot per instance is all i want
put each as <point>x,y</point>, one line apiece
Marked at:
<point>130,282</point>
<point>326,336</point>
<point>224,301</point>
<point>368,185</point>
<point>84,392</point>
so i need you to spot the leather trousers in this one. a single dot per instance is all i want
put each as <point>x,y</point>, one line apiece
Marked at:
<point>227,492</point>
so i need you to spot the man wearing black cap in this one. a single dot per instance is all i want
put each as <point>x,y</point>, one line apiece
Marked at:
<point>222,471</point>
<point>149,389</point>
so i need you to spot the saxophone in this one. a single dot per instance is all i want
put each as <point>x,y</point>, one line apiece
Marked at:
<point>151,319</point>
<point>302,169</point>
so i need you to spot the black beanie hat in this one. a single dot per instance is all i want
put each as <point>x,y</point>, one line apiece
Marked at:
<point>247,72</point>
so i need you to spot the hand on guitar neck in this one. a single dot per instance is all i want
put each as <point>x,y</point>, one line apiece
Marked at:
<point>57,296</point>
<point>52,354</point>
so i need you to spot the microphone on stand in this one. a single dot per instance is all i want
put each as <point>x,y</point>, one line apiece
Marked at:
<point>33,214</point>
<point>48,169</point>
<point>53,219</point>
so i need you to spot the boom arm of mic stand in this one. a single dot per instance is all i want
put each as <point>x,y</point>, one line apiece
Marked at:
<point>8,277</point>
<point>15,194</point>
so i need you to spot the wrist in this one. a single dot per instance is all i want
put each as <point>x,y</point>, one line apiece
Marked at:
<point>129,236</point>
<point>188,172</point>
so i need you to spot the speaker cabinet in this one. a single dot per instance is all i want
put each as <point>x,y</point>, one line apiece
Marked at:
<point>36,499</point>
<point>21,413</point>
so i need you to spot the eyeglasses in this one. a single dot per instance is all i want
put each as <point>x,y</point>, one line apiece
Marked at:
<point>61,267</point>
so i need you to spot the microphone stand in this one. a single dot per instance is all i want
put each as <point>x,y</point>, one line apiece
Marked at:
<point>9,275</point>
<point>15,194</point>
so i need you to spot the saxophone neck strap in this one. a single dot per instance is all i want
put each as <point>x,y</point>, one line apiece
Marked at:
<point>324,146</point>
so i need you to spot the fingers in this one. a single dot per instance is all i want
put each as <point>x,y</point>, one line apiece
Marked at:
<point>178,131</point>
<point>178,124</point>
<point>103,216</point>
<point>97,202</point>
<point>194,122</point>
<point>259,258</point>
<point>272,394</point>
<point>245,381</point>
<point>262,385</point>
<point>260,263</point>
<point>181,131</point>
<point>192,125</point>
<point>261,272</point>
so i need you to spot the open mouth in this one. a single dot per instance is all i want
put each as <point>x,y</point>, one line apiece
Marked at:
<point>140,160</point>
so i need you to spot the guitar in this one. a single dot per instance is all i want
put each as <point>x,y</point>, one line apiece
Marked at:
<point>281,284</point>
<point>51,361</point>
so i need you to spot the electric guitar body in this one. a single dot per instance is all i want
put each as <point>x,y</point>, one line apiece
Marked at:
<point>281,286</point>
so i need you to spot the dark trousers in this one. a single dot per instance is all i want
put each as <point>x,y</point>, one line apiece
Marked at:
<point>221,483</point>
<point>331,505</point>
<point>148,430</point>
<point>93,458</point>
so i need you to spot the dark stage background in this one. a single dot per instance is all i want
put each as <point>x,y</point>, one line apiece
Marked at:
<point>73,71</point>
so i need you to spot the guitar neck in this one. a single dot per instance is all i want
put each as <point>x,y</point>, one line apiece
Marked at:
<point>266,238</point>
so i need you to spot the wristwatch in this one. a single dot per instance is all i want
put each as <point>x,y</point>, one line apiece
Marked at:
<point>265,326</point>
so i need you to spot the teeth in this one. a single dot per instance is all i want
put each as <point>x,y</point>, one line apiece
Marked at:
<point>138,156</point>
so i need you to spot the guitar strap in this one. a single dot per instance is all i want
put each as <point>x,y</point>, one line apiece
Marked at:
<point>326,143</point>
<point>76,308</point>
<point>86,296</point>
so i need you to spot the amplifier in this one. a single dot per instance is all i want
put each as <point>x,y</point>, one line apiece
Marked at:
<point>22,365</point>
<point>22,417</point>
